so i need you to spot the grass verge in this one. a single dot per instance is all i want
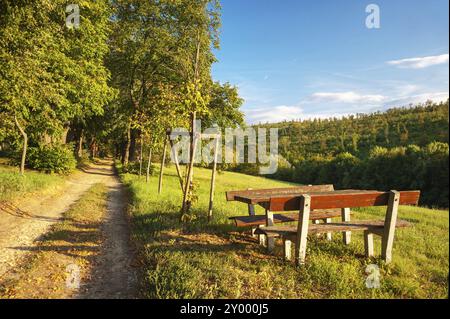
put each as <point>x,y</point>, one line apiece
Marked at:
<point>13,185</point>
<point>216,260</point>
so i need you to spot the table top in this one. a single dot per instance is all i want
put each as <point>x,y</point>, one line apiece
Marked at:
<point>256,197</point>
<point>289,199</point>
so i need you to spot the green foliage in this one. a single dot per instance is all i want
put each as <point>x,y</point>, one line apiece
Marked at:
<point>418,125</point>
<point>402,168</point>
<point>52,159</point>
<point>224,107</point>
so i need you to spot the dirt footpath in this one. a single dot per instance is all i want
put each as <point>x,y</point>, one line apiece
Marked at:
<point>22,223</point>
<point>114,276</point>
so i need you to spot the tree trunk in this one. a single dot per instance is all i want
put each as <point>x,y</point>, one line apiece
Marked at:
<point>63,136</point>
<point>25,145</point>
<point>93,148</point>
<point>133,145</point>
<point>80,144</point>
<point>149,164</point>
<point>126,156</point>
<point>141,155</point>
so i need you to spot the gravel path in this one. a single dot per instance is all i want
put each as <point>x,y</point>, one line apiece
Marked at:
<point>23,222</point>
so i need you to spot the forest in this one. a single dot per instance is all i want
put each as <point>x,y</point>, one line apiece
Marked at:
<point>402,148</point>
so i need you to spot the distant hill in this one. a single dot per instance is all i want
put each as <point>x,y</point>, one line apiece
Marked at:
<point>419,125</point>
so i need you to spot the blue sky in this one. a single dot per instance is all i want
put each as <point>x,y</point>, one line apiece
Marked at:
<point>296,59</point>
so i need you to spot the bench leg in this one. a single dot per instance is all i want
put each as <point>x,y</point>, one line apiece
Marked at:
<point>329,236</point>
<point>270,243</point>
<point>262,239</point>
<point>368,243</point>
<point>316,222</point>
<point>287,249</point>
<point>253,232</point>
<point>302,230</point>
<point>347,235</point>
<point>251,212</point>
<point>270,240</point>
<point>387,240</point>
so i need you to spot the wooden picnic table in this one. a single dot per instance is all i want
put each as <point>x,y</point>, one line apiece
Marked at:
<point>324,203</point>
<point>264,199</point>
<point>262,196</point>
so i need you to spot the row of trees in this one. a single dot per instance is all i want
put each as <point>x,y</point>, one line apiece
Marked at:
<point>131,70</point>
<point>410,167</point>
<point>51,76</point>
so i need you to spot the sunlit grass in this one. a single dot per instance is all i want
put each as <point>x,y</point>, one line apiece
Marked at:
<point>13,185</point>
<point>215,260</point>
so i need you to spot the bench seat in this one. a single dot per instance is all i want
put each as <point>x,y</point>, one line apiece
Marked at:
<point>371,226</point>
<point>258,220</point>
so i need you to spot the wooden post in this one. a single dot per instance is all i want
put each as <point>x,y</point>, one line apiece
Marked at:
<point>368,243</point>
<point>302,230</point>
<point>141,156</point>
<point>161,170</point>
<point>149,163</point>
<point>190,173</point>
<point>213,181</point>
<point>347,235</point>
<point>24,147</point>
<point>177,164</point>
<point>327,221</point>
<point>389,226</point>
<point>251,212</point>
<point>262,240</point>
<point>316,222</point>
<point>287,249</point>
<point>270,240</point>
<point>187,186</point>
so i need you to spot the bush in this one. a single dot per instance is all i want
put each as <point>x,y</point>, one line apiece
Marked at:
<point>51,159</point>
<point>400,168</point>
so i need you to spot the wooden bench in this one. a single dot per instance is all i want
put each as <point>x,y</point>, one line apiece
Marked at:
<point>342,200</point>
<point>262,197</point>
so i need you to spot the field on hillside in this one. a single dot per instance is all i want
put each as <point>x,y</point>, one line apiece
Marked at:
<point>216,260</point>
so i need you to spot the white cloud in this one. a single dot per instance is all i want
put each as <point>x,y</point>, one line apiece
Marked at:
<point>345,97</point>
<point>273,114</point>
<point>421,62</point>
<point>345,105</point>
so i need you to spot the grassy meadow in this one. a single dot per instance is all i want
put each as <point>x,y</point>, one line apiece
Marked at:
<point>198,259</point>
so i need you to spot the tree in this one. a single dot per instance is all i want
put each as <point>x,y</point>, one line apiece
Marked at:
<point>50,74</point>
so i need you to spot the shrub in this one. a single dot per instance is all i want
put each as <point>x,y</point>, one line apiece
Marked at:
<point>51,159</point>
<point>400,168</point>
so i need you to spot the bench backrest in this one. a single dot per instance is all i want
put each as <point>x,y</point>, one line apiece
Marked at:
<point>286,190</point>
<point>342,199</point>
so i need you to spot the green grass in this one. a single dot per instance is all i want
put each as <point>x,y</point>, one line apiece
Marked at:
<point>216,260</point>
<point>13,185</point>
